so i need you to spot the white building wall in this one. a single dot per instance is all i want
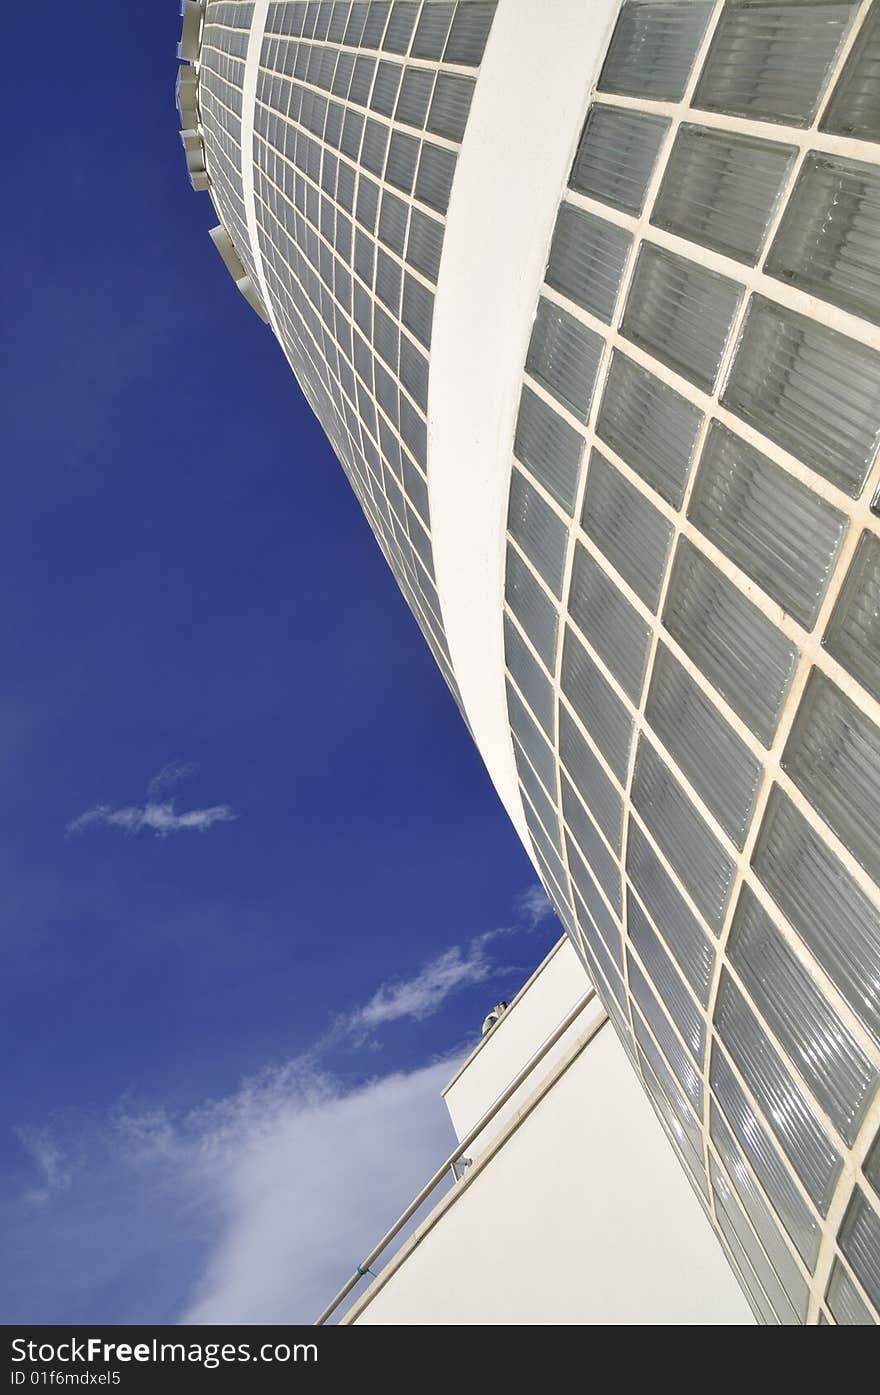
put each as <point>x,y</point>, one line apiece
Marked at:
<point>552,992</point>
<point>581,1215</point>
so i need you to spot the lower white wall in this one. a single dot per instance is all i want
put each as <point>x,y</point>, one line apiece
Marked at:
<point>555,988</point>
<point>583,1215</point>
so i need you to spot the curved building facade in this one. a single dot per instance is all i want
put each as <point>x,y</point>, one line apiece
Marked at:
<point>587,299</point>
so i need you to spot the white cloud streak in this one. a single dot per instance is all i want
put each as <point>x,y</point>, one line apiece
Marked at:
<point>252,1208</point>
<point>157,815</point>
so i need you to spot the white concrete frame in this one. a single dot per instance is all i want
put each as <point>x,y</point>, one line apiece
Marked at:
<point>531,96</point>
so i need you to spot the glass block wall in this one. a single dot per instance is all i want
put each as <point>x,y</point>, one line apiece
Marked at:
<point>360,113</point>
<point>692,612</point>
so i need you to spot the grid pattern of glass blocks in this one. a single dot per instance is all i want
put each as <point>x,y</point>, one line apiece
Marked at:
<point>692,612</point>
<point>360,111</point>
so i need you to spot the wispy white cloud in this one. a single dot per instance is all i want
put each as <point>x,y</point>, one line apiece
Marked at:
<point>157,814</point>
<point>254,1207</point>
<point>423,994</point>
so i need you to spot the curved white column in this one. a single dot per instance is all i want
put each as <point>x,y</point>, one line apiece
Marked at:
<point>248,113</point>
<point>536,77</point>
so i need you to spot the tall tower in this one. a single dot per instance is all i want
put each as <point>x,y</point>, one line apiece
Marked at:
<point>587,299</point>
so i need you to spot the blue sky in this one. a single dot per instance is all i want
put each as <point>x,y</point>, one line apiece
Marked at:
<point>189,583</point>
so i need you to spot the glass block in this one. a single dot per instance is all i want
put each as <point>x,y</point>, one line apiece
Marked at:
<point>653,48</point>
<point>859,1240</point>
<point>722,189</point>
<point>719,765</point>
<point>666,979</point>
<point>831,914</point>
<point>813,391</point>
<point>825,1052</point>
<point>833,753</point>
<point>541,803</point>
<point>799,1133</point>
<point>532,739</point>
<point>596,704</point>
<point>854,109</point>
<point>678,927</point>
<point>540,533</point>
<point>432,30</point>
<point>450,105</point>
<point>872,1165</point>
<point>690,1148</point>
<point>614,629</point>
<point>403,154</point>
<point>564,356</point>
<point>616,155</point>
<point>686,1132</point>
<point>590,780</point>
<point>549,446</point>
<point>742,654</point>
<point>425,244</point>
<point>760,1304</point>
<point>434,177</point>
<point>763,1157</point>
<point>771,61</point>
<point>705,868</point>
<point>587,257</point>
<point>681,313</point>
<point>651,426</point>
<point>844,1300</point>
<point>470,30</point>
<point>602,922</point>
<point>532,607</point>
<point>629,530</point>
<point>688,1077</point>
<point>418,310</point>
<point>765,1224</point>
<point>727,1207</point>
<point>375,25</point>
<point>600,861</point>
<point>829,240</point>
<point>606,950</point>
<point>401,23</point>
<point>771,525</point>
<point>548,854</point>
<point>415,94</point>
<point>529,677</point>
<point>853,633</point>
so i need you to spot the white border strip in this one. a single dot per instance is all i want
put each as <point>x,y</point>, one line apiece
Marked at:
<point>248,113</point>
<point>528,108</point>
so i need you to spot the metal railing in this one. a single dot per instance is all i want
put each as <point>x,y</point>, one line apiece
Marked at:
<point>454,1157</point>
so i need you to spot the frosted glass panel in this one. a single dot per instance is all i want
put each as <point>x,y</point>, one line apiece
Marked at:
<point>831,914</point>
<point>587,257</point>
<point>771,525</point>
<point>746,658</point>
<point>681,313</point>
<point>564,356</point>
<point>617,154</point>
<point>833,753</point>
<point>717,762</point>
<point>650,425</point>
<point>823,1049</point>
<point>829,240</point>
<point>633,535</point>
<point>653,47</point>
<point>813,391</point>
<point>541,534</point>
<point>549,446</point>
<point>722,189</point>
<point>772,61</point>
<point>853,634</point>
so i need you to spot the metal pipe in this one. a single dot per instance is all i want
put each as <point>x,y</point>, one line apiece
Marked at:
<point>449,1162</point>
